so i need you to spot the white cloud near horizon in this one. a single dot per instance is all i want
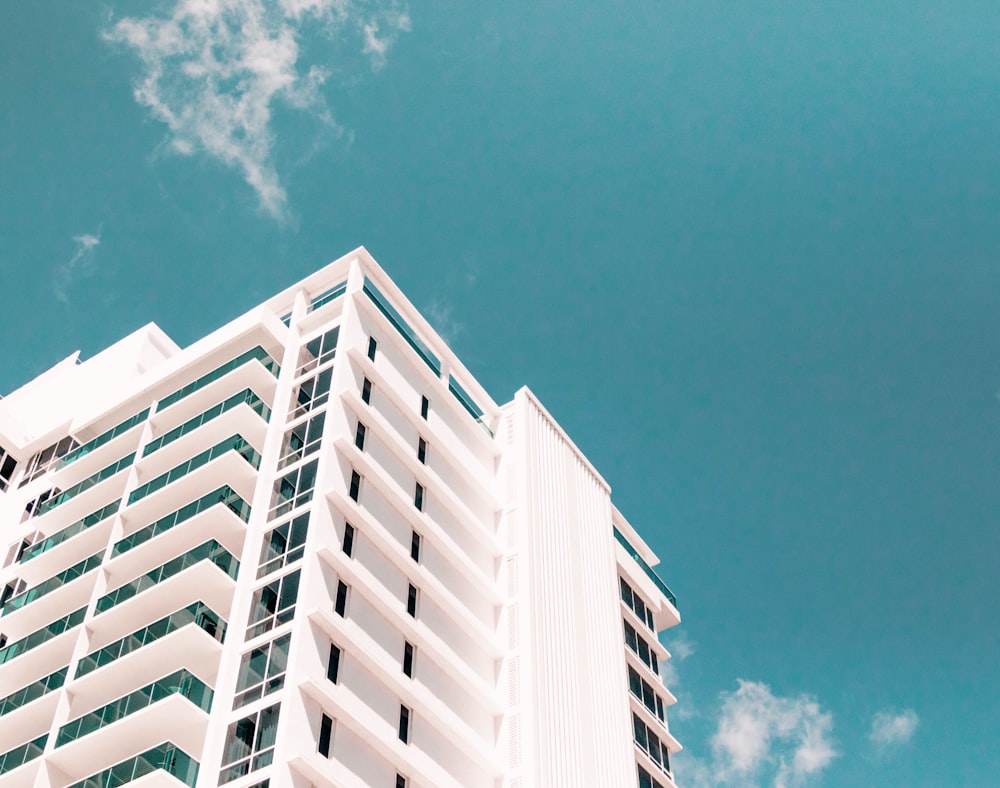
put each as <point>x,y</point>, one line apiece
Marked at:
<point>80,263</point>
<point>214,71</point>
<point>765,739</point>
<point>893,730</point>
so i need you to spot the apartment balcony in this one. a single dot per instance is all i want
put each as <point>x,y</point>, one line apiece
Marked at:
<point>28,713</point>
<point>66,545</point>
<point>86,500</point>
<point>644,579</point>
<point>160,767</point>
<point>95,741</point>
<point>52,598</point>
<point>101,450</point>
<point>19,766</point>
<point>40,652</point>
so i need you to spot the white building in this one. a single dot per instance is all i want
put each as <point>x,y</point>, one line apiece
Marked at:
<point>310,550</point>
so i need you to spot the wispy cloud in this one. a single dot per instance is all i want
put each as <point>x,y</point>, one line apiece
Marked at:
<point>80,264</point>
<point>891,730</point>
<point>214,72</point>
<point>439,315</point>
<point>763,738</point>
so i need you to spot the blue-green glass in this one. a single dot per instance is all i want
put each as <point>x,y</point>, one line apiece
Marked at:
<point>43,635</point>
<point>20,755</point>
<point>224,495</point>
<point>326,297</point>
<point>256,354</point>
<point>181,683</point>
<point>166,756</point>
<point>86,484</point>
<point>198,613</point>
<point>402,327</point>
<point>645,567</point>
<point>70,530</point>
<point>207,551</point>
<point>235,443</point>
<point>105,437</point>
<point>33,691</point>
<point>467,402</point>
<point>54,582</point>
<point>247,396</point>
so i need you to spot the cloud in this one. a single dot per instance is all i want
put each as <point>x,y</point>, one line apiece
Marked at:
<point>762,738</point>
<point>80,264</point>
<point>214,71</point>
<point>439,315</point>
<point>893,730</point>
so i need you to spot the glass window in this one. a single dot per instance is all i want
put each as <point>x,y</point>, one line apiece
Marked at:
<point>44,461</point>
<point>411,600</point>
<point>333,666</point>
<point>325,734</point>
<point>355,485</point>
<point>422,450</point>
<point>404,724</point>
<point>415,546</point>
<point>262,671</point>
<point>340,605</point>
<point>294,489</point>
<point>366,392</point>
<point>301,440</point>
<point>359,436</point>
<point>249,744</point>
<point>318,350</point>
<point>408,659</point>
<point>348,539</point>
<point>311,393</point>
<point>425,407</point>
<point>283,544</point>
<point>7,466</point>
<point>418,497</point>
<point>372,347</point>
<point>273,604</point>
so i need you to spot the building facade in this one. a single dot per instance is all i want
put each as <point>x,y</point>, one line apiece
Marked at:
<point>310,550</point>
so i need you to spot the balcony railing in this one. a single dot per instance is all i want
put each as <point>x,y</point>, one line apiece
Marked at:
<point>402,327</point>
<point>199,613</point>
<point>21,755</point>
<point>105,437</point>
<point>246,396</point>
<point>207,551</point>
<point>65,495</point>
<point>69,531</point>
<point>258,353</point>
<point>182,683</point>
<point>645,567</point>
<point>54,582</point>
<point>224,495</point>
<point>235,443</point>
<point>40,636</point>
<point>326,297</point>
<point>33,691</point>
<point>168,757</point>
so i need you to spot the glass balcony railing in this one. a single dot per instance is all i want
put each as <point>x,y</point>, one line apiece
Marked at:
<point>168,757</point>
<point>207,551</point>
<point>65,495</point>
<point>182,683</point>
<point>645,567</point>
<point>199,613</point>
<point>258,353</point>
<point>402,327</point>
<point>20,755</point>
<point>54,582</point>
<point>105,437</point>
<point>43,635</point>
<point>33,691</point>
<point>69,531</point>
<point>246,396</point>
<point>467,402</point>
<point>224,495</point>
<point>327,296</point>
<point>235,443</point>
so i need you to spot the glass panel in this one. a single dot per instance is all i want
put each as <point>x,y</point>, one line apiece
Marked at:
<point>67,495</point>
<point>167,757</point>
<point>40,636</point>
<point>258,353</point>
<point>247,397</point>
<point>70,530</point>
<point>106,437</point>
<point>645,567</point>
<point>33,691</point>
<point>402,327</point>
<point>224,495</point>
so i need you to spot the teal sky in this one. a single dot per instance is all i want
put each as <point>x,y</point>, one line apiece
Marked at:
<point>746,253</point>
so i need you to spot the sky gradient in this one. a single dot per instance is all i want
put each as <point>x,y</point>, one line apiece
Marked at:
<point>745,253</point>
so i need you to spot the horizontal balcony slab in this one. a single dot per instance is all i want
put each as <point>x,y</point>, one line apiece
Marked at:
<point>40,661</point>
<point>28,722</point>
<point>53,605</point>
<point>665,614</point>
<point>252,375</point>
<point>76,548</point>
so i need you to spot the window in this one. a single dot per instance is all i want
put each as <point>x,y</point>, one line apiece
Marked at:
<point>340,606</point>
<point>404,724</point>
<point>311,394</point>
<point>283,545</point>
<point>418,497</point>
<point>372,346</point>
<point>646,779</point>
<point>355,485</point>
<point>318,350</point>
<point>641,648</point>
<point>359,436</point>
<point>333,666</point>
<point>400,781</point>
<point>411,600</point>
<point>366,392</point>
<point>635,602</point>
<point>7,466</point>
<point>249,744</point>
<point>644,691</point>
<point>422,450</point>
<point>262,671</point>
<point>273,604</point>
<point>47,458</point>
<point>325,733</point>
<point>647,741</point>
<point>301,440</point>
<point>348,539</point>
<point>408,659</point>
<point>294,489</point>
<point>415,546</point>
<point>425,406</point>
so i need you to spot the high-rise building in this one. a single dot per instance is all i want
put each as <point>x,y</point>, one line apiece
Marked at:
<point>310,550</point>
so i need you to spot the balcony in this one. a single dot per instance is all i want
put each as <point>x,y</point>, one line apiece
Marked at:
<point>246,397</point>
<point>166,757</point>
<point>22,754</point>
<point>93,480</point>
<point>104,514</point>
<point>661,588</point>
<point>257,354</point>
<point>53,583</point>
<point>32,692</point>
<point>50,646</point>
<point>102,439</point>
